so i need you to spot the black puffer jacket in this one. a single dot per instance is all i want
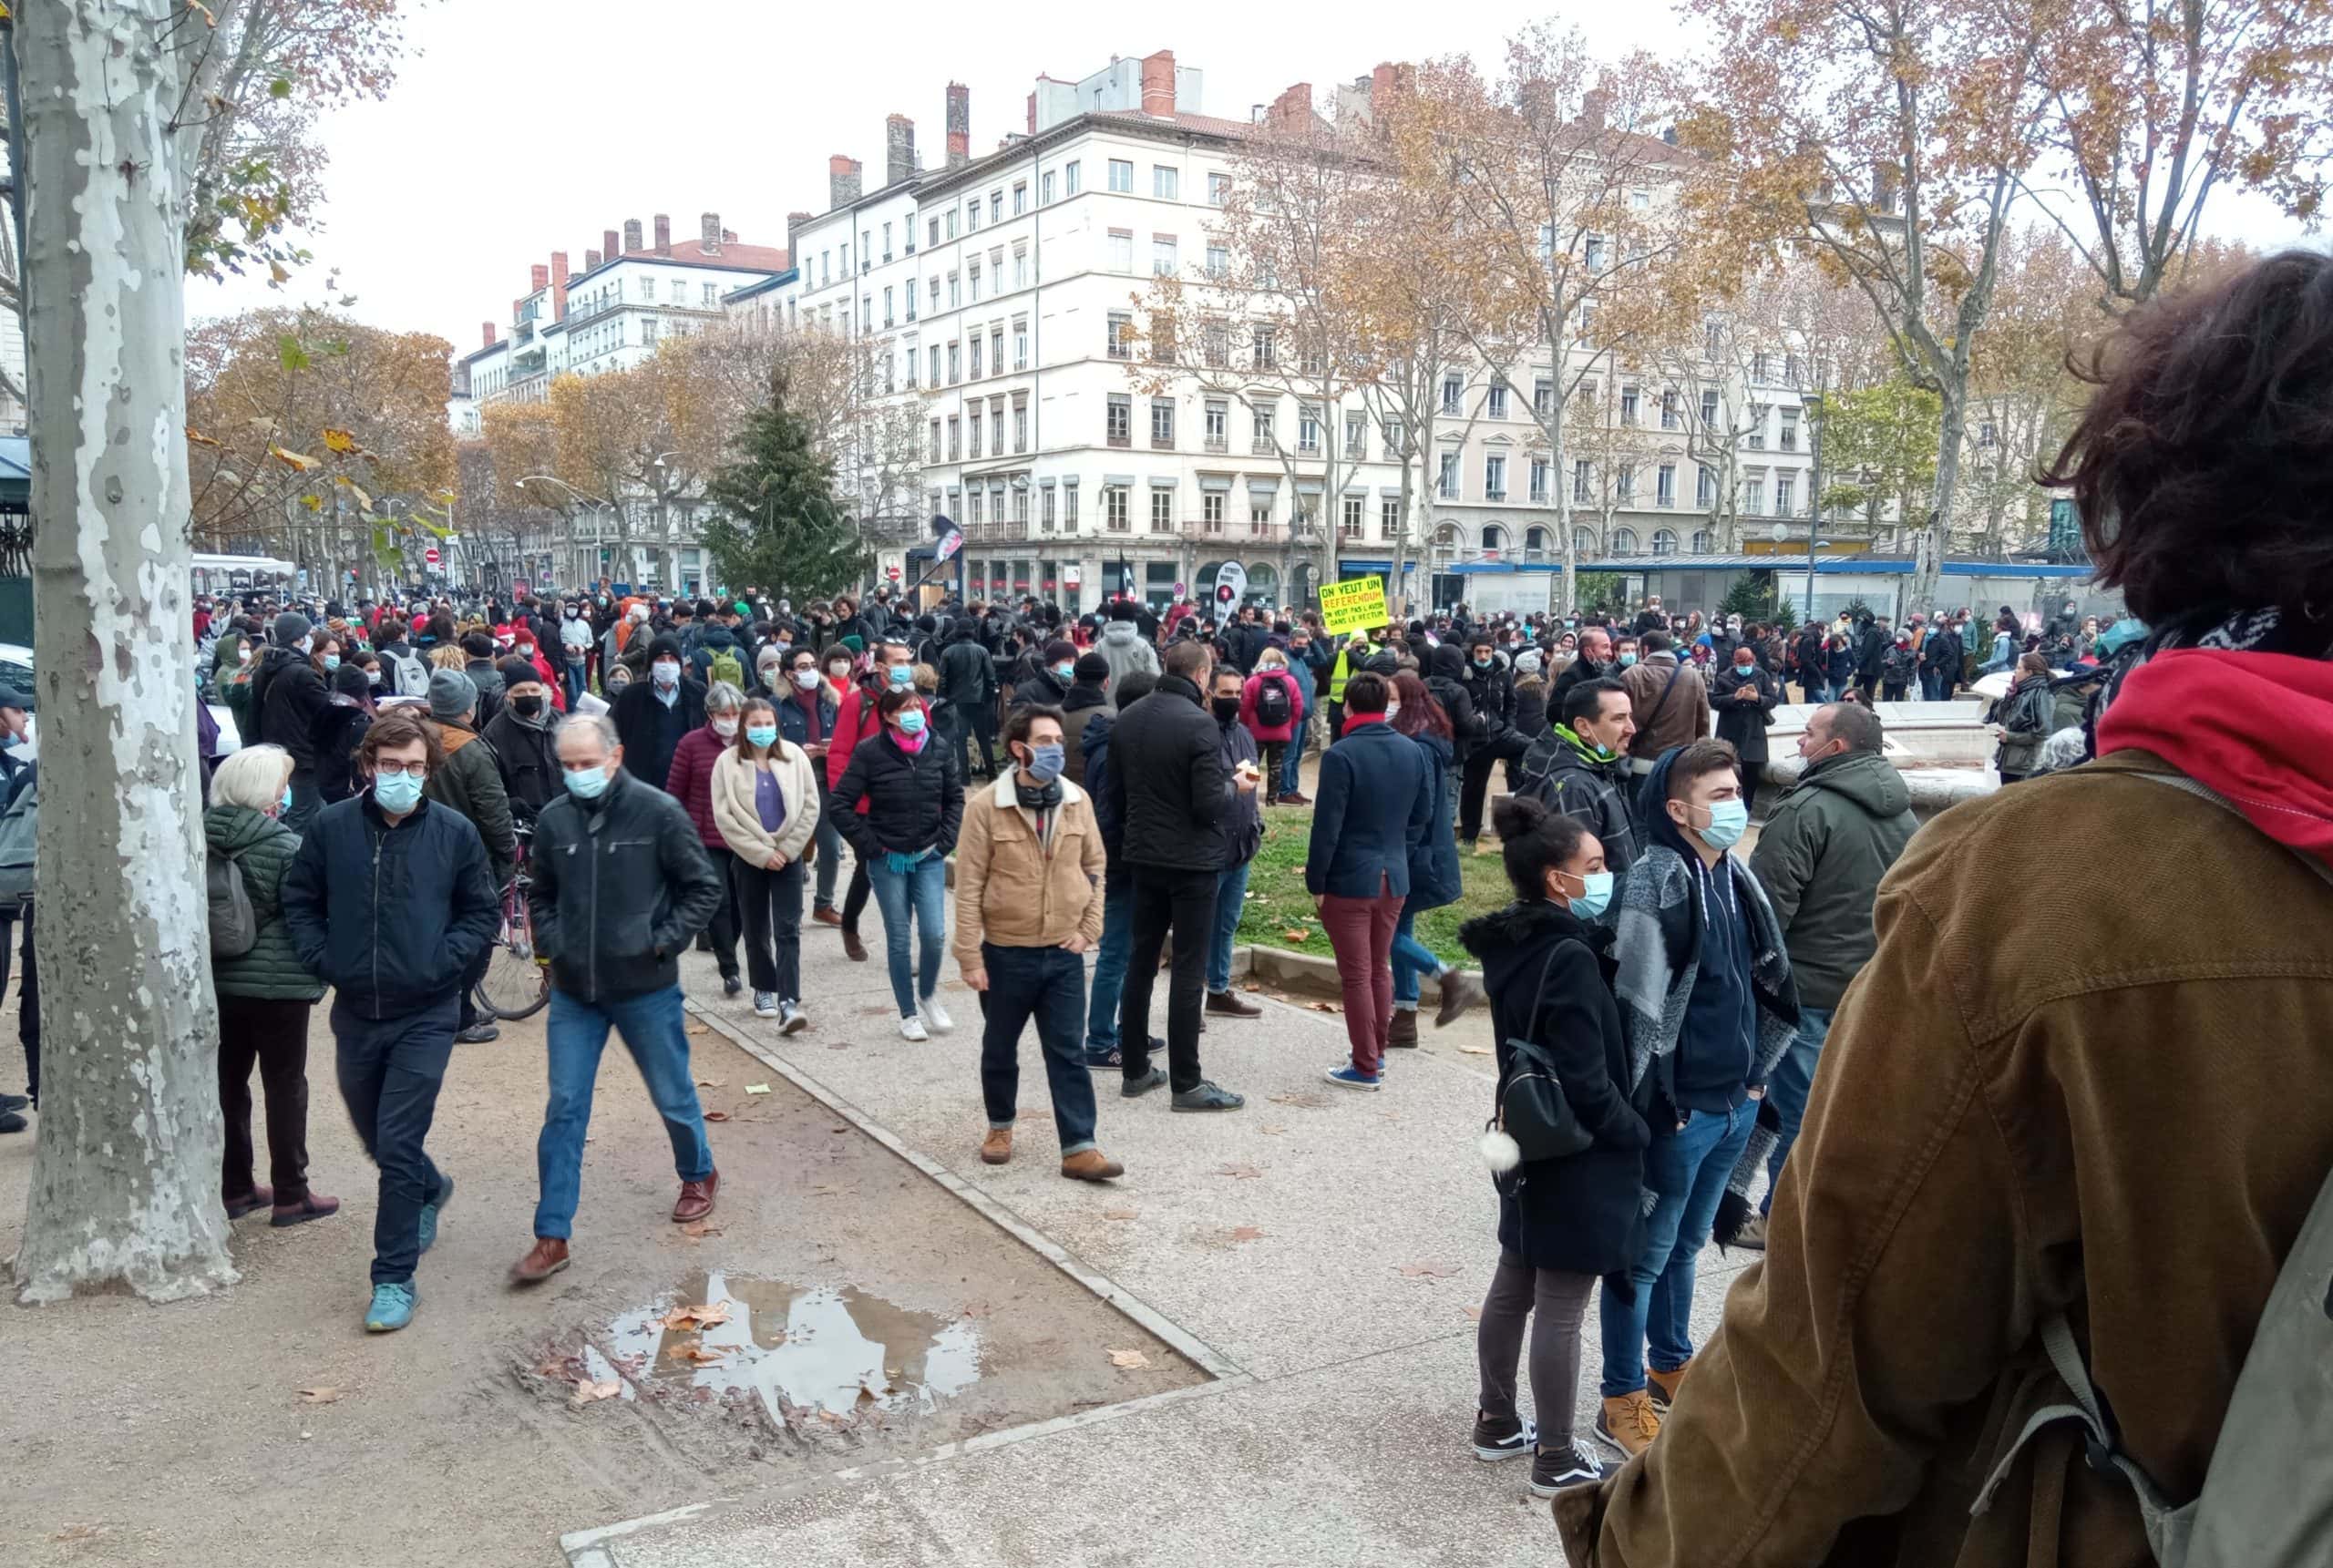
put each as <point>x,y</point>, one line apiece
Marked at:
<point>1549,979</point>
<point>914,800</point>
<point>1166,784</point>
<point>390,916</point>
<point>621,884</point>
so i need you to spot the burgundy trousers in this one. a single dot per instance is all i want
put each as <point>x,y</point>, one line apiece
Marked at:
<point>1360,930</point>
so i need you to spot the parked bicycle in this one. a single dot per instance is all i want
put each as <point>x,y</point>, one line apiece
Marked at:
<point>517,982</point>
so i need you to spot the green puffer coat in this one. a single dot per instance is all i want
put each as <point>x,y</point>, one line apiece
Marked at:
<point>263,847</point>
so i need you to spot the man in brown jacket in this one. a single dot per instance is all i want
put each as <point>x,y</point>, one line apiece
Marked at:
<point>2114,1119</point>
<point>1029,866</point>
<point>1667,698</point>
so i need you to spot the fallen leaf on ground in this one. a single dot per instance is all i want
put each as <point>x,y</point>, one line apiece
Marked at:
<point>587,1391</point>
<point>1427,1271</point>
<point>1272,1128</point>
<point>323,1395</point>
<point>708,1084</point>
<point>1327,1006</point>
<point>757,1089</point>
<point>700,1229</point>
<point>831,1418</point>
<point>700,1355</point>
<point>1246,1233</point>
<point>866,1396</point>
<point>1241,1169</point>
<point>716,1116</point>
<point>1475,1049</point>
<point>829,1190</point>
<point>838,1128</point>
<point>699,1028</point>
<point>1298,936</point>
<point>976,1309</point>
<point>1128,1358</point>
<point>1474,1313</point>
<point>1118,1213</point>
<point>704,1315</point>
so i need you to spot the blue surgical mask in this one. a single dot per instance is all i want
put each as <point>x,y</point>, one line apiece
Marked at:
<point>1063,672</point>
<point>1045,763</point>
<point>587,784</point>
<point>1594,901</point>
<point>285,803</point>
<point>397,792</point>
<point>762,735</point>
<point>332,661</point>
<point>1627,659</point>
<point>912,721</point>
<point>901,676</point>
<point>1727,820</point>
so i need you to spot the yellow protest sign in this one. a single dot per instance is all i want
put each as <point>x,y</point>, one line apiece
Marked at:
<point>1355,605</point>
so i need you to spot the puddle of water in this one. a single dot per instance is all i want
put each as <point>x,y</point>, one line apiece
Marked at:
<point>825,1347</point>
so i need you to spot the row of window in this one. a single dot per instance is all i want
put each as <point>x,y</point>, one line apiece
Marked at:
<point>1668,412</point>
<point>1587,485</point>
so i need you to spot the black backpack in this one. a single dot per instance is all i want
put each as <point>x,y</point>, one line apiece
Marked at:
<point>1273,706</point>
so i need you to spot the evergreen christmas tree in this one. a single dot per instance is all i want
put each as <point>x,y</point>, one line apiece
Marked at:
<point>778,527</point>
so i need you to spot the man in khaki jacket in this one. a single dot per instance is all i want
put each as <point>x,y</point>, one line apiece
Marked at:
<point>1029,865</point>
<point>1668,700</point>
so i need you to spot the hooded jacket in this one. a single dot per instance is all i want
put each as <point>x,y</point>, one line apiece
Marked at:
<point>1122,646</point>
<point>1445,679</point>
<point>263,848</point>
<point>286,695</point>
<point>1820,857</point>
<point>1549,975</point>
<point>2023,1112</point>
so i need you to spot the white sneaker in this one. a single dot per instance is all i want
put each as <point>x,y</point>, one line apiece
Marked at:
<point>912,1029</point>
<point>935,1015</point>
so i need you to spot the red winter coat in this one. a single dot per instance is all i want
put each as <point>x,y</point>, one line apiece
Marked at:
<point>1270,733</point>
<point>689,782</point>
<point>855,720</point>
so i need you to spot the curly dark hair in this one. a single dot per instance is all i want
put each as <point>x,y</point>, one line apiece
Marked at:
<point>2201,466</point>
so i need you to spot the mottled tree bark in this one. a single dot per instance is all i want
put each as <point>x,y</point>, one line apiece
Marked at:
<point>125,1190</point>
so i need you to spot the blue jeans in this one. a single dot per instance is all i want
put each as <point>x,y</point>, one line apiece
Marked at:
<point>1110,962</point>
<point>1686,1172</point>
<point>390,1072</point>
<point>574,680</point>
<point>1291,767</point>
<point>924,888</point>
<point>1230,896</point>
<point>1412,960</point>
<point>652,1030</point>
<point>1047,984</point>
<point>1786,1087</point>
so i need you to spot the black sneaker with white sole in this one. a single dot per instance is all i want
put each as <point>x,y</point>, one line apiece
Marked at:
<point>1511,1437</point>
<point>1553,1469</point>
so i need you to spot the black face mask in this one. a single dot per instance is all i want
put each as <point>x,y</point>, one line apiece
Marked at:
<point>1226,708</point>
<point>529,707</point>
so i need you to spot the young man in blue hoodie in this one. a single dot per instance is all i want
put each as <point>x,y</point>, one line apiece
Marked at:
<point>1707,1006</point>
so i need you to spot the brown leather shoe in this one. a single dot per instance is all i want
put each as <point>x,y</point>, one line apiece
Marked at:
<point>1402,1030</point>
<point>852,947</point>
<point>1663,1386</point>
<point>997,1147</point>
<point>1629,1423</point>
<point>547,1256</point>
<point>1231,1004</point>
<point>1091,1165</point>
<point>696,1199</point>
<point>828,916</point>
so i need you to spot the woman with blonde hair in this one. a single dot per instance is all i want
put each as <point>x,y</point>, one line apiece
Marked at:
<point>764,796</point>
<point>264,993</point>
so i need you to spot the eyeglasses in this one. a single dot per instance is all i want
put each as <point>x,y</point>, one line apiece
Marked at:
<point>390,768</point>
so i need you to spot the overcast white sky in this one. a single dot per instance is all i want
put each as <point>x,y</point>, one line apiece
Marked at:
<point>521,129</point>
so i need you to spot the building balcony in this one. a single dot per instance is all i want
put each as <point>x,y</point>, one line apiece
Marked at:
<point>1162,443</point>
<point>1218,445</point>
<point>1264,446</point>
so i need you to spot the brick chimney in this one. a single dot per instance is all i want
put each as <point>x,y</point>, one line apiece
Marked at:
<point>1593,105</point>
<point>489,333</point>
<point>611,246</point>
<point>538,278</point>
<point>1290,109</point>
<point>898,149</point>
<point>1384,82</point>
<point>558,285</point>
<point>708,227</point>
<point>842,181</point>
<point>590,261</point>
<point>1158,84</point>
<point>631,235</point>
<point>960,125</point>
<point>664,234</point>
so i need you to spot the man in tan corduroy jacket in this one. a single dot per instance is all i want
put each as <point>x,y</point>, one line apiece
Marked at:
<point>1029,865</point>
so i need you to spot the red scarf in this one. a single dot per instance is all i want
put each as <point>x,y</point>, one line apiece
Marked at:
<point>2255,727</point>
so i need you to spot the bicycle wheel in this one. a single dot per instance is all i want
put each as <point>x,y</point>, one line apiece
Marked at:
<point>515,986</point>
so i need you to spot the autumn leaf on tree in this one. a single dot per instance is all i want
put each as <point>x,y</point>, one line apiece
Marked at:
<point>339,440</point>
<point>299,461</point>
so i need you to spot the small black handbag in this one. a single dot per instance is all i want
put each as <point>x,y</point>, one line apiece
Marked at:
<point>1532,1109</point>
